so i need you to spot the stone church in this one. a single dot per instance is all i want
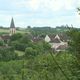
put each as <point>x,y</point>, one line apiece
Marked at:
<point>12,31</point>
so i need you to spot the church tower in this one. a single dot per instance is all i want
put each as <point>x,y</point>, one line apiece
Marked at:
<point>12,27</point>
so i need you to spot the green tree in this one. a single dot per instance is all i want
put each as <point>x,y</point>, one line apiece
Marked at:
<point>16,36</point>
<point>1,42</point>
<point>19,46</point>
<point>7,54</point>
<point>74,43</point>
<point>25,39</point>
<point>30,52</point>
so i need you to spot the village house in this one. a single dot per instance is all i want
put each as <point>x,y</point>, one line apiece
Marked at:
<point>57,42</point>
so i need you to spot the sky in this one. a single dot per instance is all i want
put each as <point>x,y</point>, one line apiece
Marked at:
<point>39,13</point>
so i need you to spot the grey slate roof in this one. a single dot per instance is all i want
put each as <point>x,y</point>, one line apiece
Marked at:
<point>55,40</point>
<point>5,37</point>
<point>12,24</point>
<point>37,38</point>
<point>63,37</point>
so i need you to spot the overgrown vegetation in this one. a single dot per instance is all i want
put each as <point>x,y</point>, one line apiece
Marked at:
<point>37,61</point>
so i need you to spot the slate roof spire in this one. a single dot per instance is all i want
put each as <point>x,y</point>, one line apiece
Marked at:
<point>12,25</point>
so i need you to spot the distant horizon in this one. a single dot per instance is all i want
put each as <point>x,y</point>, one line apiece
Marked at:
<point>36,13</point>
<point>40,26</point>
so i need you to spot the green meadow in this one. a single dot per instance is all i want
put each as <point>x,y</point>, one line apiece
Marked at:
<point>7,31</point>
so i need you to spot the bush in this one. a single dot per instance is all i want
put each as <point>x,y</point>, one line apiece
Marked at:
<point>15,37</point>
<point>1,43</point>
<point>30,52</point>
<point>7,53</point>
<point>19,46</point>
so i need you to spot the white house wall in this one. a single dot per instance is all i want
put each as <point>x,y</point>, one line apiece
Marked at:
<point>56,45</point>
<point>47,39</point>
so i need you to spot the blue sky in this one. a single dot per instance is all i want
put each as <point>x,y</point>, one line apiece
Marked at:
<point>39,12</point>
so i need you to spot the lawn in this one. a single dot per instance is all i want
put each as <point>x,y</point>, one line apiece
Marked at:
<point>20,53</point>
<point>7,31</point>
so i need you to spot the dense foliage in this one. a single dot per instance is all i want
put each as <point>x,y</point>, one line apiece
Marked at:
<point>38,61</point>
<point>74,43</point>
<point>7,54</point>
<point>42,67</point>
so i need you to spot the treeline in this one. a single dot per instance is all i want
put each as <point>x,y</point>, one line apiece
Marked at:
<point>48,30</point>
<point>1,27</point>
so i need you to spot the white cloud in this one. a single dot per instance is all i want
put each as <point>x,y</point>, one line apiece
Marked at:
<point>53,5</point>
<point>69,4</point>
<point>34,4</point>
<point>26,10</point>
<point>78,3</point>
<point>45,4</point>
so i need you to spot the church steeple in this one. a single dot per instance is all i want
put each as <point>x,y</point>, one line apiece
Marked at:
<point>12,24</point>
<point>12,27</point>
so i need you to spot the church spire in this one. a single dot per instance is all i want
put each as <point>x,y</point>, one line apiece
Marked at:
<point>12,27</point>
<point>12,24</point>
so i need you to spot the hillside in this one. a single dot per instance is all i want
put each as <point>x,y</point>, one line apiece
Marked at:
<point>23,59</point>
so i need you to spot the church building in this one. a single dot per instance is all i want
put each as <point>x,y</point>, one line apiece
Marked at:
<point>6,37</point>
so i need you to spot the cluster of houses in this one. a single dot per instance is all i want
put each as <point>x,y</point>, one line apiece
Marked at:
<point>58,42</point>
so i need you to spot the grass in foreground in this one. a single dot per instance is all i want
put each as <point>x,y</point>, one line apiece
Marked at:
<point>20,53</point>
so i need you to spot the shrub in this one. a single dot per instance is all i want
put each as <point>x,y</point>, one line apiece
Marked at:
<point>19,46</point>
<point>7,53</point>
<point>30,52</point>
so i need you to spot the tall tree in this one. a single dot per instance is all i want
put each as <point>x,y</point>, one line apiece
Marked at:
<point>74,43</point>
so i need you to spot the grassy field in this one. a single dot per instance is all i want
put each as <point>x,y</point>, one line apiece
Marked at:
<point>20,53</point>
<point>4,31</point>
